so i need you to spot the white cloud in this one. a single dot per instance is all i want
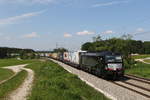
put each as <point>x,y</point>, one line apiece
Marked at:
<point>140,30</point>
<point>14,19</point>
<point>41,1</point>
<point>7,38</point>
<point>109,3</point>
<point>108,32</point>
<point>85,32</point>
<point>67,35</point>
<point>28,1</point>
<point>31,35</point>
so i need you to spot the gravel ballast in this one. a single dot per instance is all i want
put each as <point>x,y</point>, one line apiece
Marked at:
<point>109,89</point>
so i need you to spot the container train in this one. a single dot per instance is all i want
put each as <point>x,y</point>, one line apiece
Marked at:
<point>103,64</point>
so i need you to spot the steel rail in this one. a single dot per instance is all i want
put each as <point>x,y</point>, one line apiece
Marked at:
<point>145,89</point>
<point>141,79</point>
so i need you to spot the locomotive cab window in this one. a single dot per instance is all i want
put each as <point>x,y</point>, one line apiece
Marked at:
<point>111,59</point>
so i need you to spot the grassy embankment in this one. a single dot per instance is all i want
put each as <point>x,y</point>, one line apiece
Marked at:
<point>140,56</point>
<point>10,62</point>
<point>6,73</point>
<point>11,84</point>
<point>147,60</point>
<point>140,69</point>
<point>52,82</point>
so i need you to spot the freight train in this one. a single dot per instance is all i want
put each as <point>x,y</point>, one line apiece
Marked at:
<point>103,64</point>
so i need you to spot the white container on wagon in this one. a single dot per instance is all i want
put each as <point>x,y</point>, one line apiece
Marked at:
<point>75,57</point>
<point>67,56</point>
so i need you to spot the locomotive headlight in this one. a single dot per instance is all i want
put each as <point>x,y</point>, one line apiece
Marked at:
<point>106,67</point>
<point>114,66</point>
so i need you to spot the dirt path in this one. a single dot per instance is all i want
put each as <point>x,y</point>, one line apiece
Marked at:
<point>15,69</point>
<point>142,60</point>
<point>24,89</point>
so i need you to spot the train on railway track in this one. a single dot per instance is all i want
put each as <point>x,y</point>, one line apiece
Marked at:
<point>103,64</point>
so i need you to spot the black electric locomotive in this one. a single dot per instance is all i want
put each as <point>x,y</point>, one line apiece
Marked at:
<point>104,64</point>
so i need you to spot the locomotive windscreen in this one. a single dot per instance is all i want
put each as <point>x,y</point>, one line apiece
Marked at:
<point>113,58</point>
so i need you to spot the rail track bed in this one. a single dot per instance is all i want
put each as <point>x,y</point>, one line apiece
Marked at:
<point>126,88</point>
<point>134,83</point>
<point>144,80</point>
<point>138,86</point>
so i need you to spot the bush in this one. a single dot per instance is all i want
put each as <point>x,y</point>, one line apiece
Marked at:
<point>129,62</point>
<point>29,56</point>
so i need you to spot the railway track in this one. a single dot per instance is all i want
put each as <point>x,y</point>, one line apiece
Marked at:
<point>136,84</point>
<point>135,89</point>
<point>133,83</point>
<point>144,80</point>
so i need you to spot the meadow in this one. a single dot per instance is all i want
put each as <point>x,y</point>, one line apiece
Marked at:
<point>12,84</point>
<point>6,73</point>
<point>140,69</point>
<point>52,82</point>
<point>147,60</point>
<point>141,56</point>
<point>11,62</point>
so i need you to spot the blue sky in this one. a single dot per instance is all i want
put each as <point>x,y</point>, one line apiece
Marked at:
<point>40,24</point>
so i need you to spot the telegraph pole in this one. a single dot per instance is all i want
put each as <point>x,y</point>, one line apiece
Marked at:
<point>56,45</point>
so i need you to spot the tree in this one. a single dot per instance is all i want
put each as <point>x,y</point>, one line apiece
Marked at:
<point>97,38</point>
<point>6,52</point>
<point>146,47</point>
<point>87,46</point>
<point>127,36</point>
<point>61,50</point>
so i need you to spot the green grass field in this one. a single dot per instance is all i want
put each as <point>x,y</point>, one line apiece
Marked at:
<point>10,62</point>
<point>147,60</point>
<point>12,84</point>
<point>5,74</point>
<point>141,69</point>
<point>52,82</point>
<point>141,56</point>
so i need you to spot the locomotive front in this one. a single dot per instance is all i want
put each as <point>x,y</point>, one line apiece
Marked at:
<point>114,65</point>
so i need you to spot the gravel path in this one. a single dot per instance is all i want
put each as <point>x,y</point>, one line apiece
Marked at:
<point>15,69</point>
<point>109,89</point>
<point>142,60</point>
<point>22,91</point>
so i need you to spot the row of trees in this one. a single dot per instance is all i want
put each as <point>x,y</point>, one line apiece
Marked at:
<point>14,52</point>
<point>124,45</point>
<point>60,50</point>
